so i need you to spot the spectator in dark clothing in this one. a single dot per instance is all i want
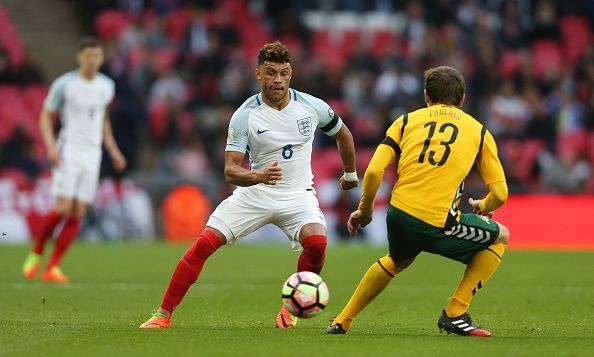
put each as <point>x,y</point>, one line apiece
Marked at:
<point>16,153</point>
<point>511,37</point>
<point>127,115</point>
<point>225,30</point>
<point>28,73</point>
<point>546,26</point>
<point>7,75</point>
<point>541,126</point>
<point>289,24</point>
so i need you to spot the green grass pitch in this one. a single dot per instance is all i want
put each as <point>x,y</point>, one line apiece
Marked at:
<point>538,304</point>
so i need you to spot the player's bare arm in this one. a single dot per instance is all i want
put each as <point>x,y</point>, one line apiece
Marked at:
<point>47,132</point>
<point>346,149</point>
<point>119,161</point>
<point>383,157</point>
<point>240,176</point>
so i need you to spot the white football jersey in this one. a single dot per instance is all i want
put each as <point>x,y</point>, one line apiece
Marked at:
<point>285,136</point>
<point>82,103</point>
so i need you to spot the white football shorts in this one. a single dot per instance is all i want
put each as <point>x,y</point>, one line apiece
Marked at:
<point>77,178</point>
<point>250,208</point>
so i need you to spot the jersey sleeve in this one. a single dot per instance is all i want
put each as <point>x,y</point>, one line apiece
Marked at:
<point>382,158</point>
<point>395,132</point>
<point>55,96</point>
<point>328,121</point>
<point>487,161</point>
<point>237,135</point>
<point>111,91</point>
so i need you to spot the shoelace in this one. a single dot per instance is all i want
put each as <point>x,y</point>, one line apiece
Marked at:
<point>469,320</point>
<point>158,314</point>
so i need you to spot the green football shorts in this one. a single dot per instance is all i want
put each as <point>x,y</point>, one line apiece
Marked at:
<point>408,236</point>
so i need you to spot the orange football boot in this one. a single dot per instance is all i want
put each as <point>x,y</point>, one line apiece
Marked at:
<point>54,275</point>
<point>158,320</point>
<point>31,266</point>
<point>285,319</point>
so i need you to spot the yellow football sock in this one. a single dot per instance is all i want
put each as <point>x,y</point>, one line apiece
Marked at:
<point>374,282</point>
<point>477,272</point>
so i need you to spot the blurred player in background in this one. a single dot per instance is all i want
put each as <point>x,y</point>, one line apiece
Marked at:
<point>83,97</point>
<point>276,128</point>
<point>435,148</point>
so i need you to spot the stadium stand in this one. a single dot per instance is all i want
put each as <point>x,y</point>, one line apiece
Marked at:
<point>181,67</point>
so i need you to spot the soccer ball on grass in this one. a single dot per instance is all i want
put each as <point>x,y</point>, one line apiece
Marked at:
<point>305,294</point>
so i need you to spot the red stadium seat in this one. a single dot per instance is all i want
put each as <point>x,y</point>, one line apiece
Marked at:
<point>531,149</point>
<point>178,22</point>
<point>293,43</point>
<point>325,164</point>
<point>340,107</point>
<point>6,128</point>
<point>546,56</point>
<point>18,177</point>
<point>327,47</point>
<point>158,120</point>
<point>575,33</point>
<point>34,96</point>
<point>9,93</point>
<point>381,41</point>
<point>110,23</point>
<point>237,9</point>
<point>10,40</point>
<point>253,32</point>
<point>321,39</point>
<point>164,58</point>
<point>574,143</point>
<point>509,64</point>
<point>136,57</point>
<point>350,39</point>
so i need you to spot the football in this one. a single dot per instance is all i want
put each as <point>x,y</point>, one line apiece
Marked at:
<point>305,294</point>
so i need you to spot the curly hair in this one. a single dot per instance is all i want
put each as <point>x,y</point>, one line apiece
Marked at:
<point>274,52</point>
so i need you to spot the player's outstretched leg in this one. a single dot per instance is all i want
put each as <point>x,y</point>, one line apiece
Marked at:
<point>373,283</point>
<point>186,273</point>
<point>33,260</point>
<point>52,272</point>
<point>455,319</point>
<point>312,259</point>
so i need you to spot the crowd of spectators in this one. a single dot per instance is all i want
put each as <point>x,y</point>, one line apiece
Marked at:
<point>182,67</point>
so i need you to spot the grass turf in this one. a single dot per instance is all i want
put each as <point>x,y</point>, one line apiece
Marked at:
<point>538,303</point>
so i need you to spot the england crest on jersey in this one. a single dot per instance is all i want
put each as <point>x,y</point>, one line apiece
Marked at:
<point>304,126</point>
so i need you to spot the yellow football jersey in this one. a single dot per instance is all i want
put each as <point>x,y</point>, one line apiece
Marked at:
<point>437,147</point>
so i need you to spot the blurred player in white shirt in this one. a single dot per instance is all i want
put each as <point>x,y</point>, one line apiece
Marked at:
<point>276,128</point>
<point>82,96</point>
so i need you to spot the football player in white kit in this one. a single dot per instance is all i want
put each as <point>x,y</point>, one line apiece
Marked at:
<point>276,128</point>
<point>83,97</point>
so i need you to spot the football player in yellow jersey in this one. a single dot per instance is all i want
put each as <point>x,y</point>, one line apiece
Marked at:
<point>435,148</point>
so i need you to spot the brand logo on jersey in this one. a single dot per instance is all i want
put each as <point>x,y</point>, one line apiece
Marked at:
<point>304,126</point>
<point>330,112</point>
<point>262,131</point>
